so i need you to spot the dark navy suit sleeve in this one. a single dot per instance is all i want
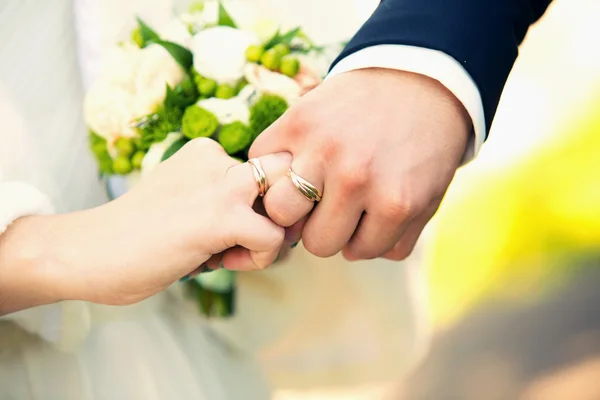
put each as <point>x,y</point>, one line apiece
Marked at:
<point>483,35</point>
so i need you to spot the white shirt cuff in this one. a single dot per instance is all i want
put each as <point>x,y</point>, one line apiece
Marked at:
<point>19,199</point>
<point>65,324</point>
<point>434,64</point>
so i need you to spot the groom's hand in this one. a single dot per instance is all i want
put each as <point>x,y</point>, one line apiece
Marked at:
<point>382,146</point>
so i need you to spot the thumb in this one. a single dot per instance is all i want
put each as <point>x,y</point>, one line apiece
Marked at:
<point>242,181</point>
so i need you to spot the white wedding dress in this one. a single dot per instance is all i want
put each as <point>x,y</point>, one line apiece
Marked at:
<point>306,322</point>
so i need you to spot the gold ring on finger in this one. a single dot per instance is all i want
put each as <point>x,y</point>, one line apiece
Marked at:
<point>259,176</point>
<point>306,188</point>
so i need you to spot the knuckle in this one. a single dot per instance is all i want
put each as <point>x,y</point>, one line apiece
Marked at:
<point>397,208</point>
<point>353,178</point>
<point>297,119</point>
<point>401,253</point>
<point>317,246</point>
<point>363,251</point>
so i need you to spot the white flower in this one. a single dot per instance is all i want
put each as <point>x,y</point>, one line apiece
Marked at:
<point>220,53</point>
<point>156,151</point>
<point>176,31</point>
<point>265,29</point>
<point>270,82</point>
<point>132,86</point>
<point>227,110</point>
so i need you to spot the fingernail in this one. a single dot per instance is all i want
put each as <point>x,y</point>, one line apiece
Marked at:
<point>294,245</point>
<point>185,279</point>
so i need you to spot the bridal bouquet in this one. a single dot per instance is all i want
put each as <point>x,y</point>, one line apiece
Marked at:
<point>202,75</point>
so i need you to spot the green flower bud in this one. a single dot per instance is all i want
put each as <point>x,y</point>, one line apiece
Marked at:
<point>188,86</point>
<point>266,111</point>
<point>136,37</point>
<point>254,53</point>
<point>137,159</point>
<point>282,48</point>
<point>290,66</point>
<point>271,59</point>
<point>122,165</point>
<point>207,87</point>
<point>196,7</point>
<point>125,147</point>
<point>235,137</point>
<point>198,122</point>
<point>225,91</point>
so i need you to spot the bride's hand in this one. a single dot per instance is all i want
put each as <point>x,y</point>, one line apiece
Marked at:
<point>192,206</point>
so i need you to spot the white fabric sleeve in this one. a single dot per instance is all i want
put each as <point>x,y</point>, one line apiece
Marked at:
<point>64,324</point>
<point>434,64</point>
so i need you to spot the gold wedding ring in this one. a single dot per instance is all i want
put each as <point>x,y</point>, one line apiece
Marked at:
<point>306,188</point>
<point>259,176</point>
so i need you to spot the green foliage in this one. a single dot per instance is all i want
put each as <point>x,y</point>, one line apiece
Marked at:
<point>99,148</point>
<point>157,126</point>
<point>183,56</point>
<point>198,122</point>
<point>266,111</point>
<point>183,95</point>
<point>235,137</point>
<point>224,17</point>
<point>174,148</point>
<point>285,38</point>
<point>146,34</point>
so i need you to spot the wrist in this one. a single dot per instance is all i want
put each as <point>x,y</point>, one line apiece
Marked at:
<point>423,89</point>
<point>29,269</point>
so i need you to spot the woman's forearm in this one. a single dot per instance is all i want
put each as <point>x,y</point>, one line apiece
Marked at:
<point>27,265</point>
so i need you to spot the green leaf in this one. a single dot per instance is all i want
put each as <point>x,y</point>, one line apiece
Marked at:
<point>177,98</point>
<point>278,38</point>
<point>174,148</point>
<point>224,17</point>
<point>183,56</point>
<point>288,37</point>
<point>273,41</point>
<point>148,34</point>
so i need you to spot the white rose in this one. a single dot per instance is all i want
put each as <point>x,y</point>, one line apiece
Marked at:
<point>227,110</point>
<point>220,53</point>
<point>156,152</point>
<point>176,31</point>
<point>266,81</point>
<point>132,86</point>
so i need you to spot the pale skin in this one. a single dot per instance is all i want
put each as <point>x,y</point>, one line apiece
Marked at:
<point>195,205</point>
<point>383,153</point>
<point>382,145</point>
